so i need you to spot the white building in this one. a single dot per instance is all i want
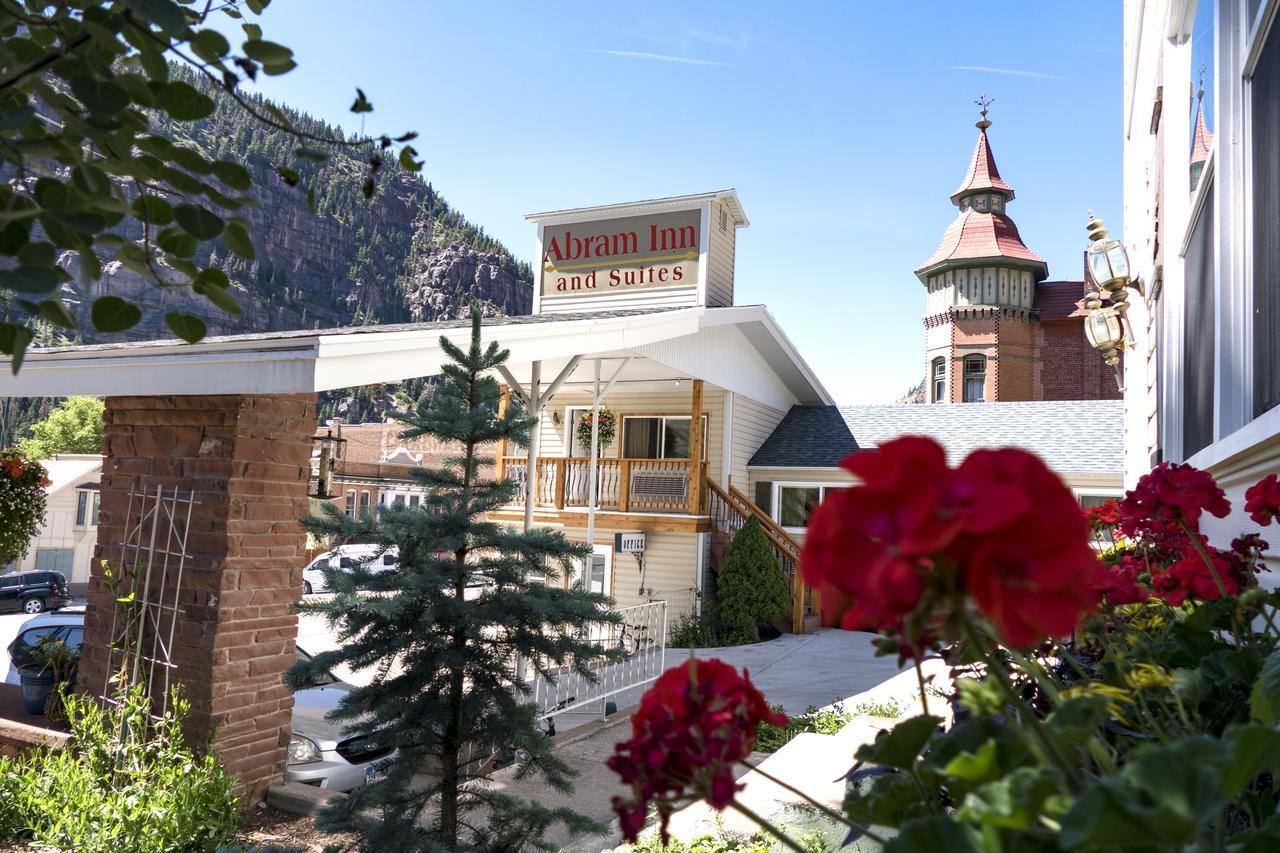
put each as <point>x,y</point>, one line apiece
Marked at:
<point>65,542</point>
<point>1202,229</point>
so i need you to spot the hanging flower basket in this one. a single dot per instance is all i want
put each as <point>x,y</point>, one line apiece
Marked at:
<point>22,503</point>
<point>608,429</point>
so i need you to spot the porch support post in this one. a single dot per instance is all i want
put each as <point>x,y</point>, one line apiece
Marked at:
<point>593,466</point>
<point>531,475</point>
<point>695,450</point>
<point>500,463</point>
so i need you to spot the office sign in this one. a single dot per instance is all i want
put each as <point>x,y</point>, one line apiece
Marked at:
<point>628,543</point>
<point>620,255</point>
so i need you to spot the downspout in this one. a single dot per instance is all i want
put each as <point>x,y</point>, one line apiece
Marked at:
<point>531,472</point>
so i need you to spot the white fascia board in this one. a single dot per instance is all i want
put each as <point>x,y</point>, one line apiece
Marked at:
<point>222,367</point>
<point>635,208</point>
<point>787,361</point>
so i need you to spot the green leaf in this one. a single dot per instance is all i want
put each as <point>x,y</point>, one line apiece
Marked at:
<point>133,257</point>
<point>361,104</point>
<point>191,160</point>
<point>974,767</point>
<point>14,340</point>
<point>256,6</point>
<point>184,102</point>
<point>900,746</point>
<point>406,159</point>
<point>113,314</point>
<point>90,180</point>
<point>153,62</point>
<point>210,45</point>
<point>99,95</point>
<point>165,14</point>
<point>12,118</point>
<point>1254,750</point>
<point>290,176</point>
<point>1264,698</point>
<point>190,329</point>
<point>56,313</point>
<point>219,296</point>
<point>253,31</point>
<point>267,52</point>
<point>153,210</point>
<point>29,279</point>
<point>232,174</point>
<point>177,242</point>
<point>934,834</point>
<point>315,155</point>
<point>38,254</point>
<point>214,277</point>
<point>1018,800</point>
<point>198,222</point>
<point>237,240</point>
<point>275,69</point>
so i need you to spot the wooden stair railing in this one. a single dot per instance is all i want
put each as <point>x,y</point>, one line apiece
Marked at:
<point>729,509</point>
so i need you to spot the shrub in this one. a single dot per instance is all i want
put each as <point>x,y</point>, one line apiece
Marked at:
<point>127,781</point>
<point>824,722</point>
<point>751,589</point>
<point>722,841</point>
<point>695,632</point>
<point>22,503</point>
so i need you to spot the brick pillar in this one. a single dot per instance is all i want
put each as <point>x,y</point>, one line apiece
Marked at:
<point>248,460</point>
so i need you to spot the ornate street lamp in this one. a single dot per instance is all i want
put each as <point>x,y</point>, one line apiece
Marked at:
<point>1106,328</point>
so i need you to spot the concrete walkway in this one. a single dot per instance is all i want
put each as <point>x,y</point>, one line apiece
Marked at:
<point>794,671</point>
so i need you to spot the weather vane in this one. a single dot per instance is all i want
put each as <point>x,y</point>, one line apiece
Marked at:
<point>984,102</point>
<point>1200,86</point>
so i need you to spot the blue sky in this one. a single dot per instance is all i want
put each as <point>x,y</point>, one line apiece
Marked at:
<point>843,126</point>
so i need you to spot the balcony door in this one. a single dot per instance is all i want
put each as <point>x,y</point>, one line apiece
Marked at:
<point>659,437</point>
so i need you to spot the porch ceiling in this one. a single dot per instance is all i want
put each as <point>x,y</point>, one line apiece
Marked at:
<point>740,349</point>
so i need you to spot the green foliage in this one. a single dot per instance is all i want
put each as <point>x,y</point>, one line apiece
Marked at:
<point>127,782</point>
<point>22,503</point>
<point>751,589</point>
<point>695,632</point>
<point>828,721</point>
<point>85,86</point>
<point>75,426</point>
<point>446,630</point>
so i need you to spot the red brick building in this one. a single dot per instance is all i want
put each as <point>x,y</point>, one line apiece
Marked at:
<point>995,329</point>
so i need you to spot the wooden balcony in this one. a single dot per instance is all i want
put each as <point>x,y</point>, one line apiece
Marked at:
<point>670,486</point>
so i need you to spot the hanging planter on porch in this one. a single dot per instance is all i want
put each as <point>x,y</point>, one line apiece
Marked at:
<point>607,432</point>
<point>22,503</point>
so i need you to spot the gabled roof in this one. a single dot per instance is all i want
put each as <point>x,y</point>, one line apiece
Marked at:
<point>983,174</point>
<point>634,208</point>
<point>67,469</point>
<point>1057,300</point>
<point>1057,431</point>
<point>974,236</point>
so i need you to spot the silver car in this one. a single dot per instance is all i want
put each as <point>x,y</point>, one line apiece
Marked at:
<point>319,753</point>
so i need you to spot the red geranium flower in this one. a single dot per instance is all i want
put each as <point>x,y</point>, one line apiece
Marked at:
<point>695,723</point>
<point>1103,516</point>
<point>1168,497</point>
<point>1034,574</point>
<point>1262,500</point>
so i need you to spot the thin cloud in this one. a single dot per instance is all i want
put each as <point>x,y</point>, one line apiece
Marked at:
<point>1012,72</point>
<point>653,57</point>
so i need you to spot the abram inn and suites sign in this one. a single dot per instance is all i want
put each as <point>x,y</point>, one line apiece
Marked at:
<point>615,255</point>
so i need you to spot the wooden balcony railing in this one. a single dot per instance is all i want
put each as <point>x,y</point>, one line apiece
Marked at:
<point>622,485</point>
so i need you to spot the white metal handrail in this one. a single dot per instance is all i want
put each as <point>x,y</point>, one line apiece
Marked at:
<point>641,636</point>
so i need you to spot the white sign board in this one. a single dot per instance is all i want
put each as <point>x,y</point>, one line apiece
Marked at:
<point>628,543</point>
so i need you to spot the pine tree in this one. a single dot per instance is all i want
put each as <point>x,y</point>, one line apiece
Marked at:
<point>443,634</point>
<point>751,589</point>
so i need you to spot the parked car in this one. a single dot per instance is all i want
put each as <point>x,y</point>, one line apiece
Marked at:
<point>320,754</point>
<point>346,557</point>
<point>33,592</point>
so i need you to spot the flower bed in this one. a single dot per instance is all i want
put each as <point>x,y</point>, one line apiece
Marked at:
<point>1113,701</point>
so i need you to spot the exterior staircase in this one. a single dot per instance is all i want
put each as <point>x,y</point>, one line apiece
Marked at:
<point>729,509</point>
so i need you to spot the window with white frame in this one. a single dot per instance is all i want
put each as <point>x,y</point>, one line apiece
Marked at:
<point>88,505</point>
<point>573,417</point>
<point>793,503</point>
<point>351,504</point>
<point>975,378</point>
<point>364,502</point>
<point>1263,96</point>
<point>939,380</point>
<point>659,437</point>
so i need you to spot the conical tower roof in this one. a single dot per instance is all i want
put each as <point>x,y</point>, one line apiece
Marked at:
<point>1202,139</point>
<point>977,236</point>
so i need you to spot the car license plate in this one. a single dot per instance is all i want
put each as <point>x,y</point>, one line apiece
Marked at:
<point>375,773</point>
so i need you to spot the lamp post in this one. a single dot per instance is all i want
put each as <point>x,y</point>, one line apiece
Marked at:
<point>1106,327</point>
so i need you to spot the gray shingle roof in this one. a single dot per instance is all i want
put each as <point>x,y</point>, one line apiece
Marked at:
<point>1072,436</point>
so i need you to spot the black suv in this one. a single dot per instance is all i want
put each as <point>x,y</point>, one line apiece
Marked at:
<point>33,592</point>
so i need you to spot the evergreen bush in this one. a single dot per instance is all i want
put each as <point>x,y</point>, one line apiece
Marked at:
<point>751,589</point>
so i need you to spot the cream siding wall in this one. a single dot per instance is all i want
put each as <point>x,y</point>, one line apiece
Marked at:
<point>670,570</point>
<point>720,256</point>
<point>60,531</point>
<point>753,422</point>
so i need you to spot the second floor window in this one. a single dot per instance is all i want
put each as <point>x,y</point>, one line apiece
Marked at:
<point>939,380</point>
<point>87,506</point>
<point>975,378</point>
<point>658,437</point>
<point>351,504</point>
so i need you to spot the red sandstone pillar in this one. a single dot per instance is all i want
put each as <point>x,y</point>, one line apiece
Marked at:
<point>248,460</point>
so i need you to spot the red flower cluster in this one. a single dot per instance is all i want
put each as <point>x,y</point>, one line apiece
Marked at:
<point>20,468</point>
<point>1262,500</point>
<point>692,727</point>
<point>1169,500</point>
<point>916,537</point>
<point>1105,516</point>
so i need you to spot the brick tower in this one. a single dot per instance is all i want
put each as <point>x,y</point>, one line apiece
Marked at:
<point>980,317</point>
